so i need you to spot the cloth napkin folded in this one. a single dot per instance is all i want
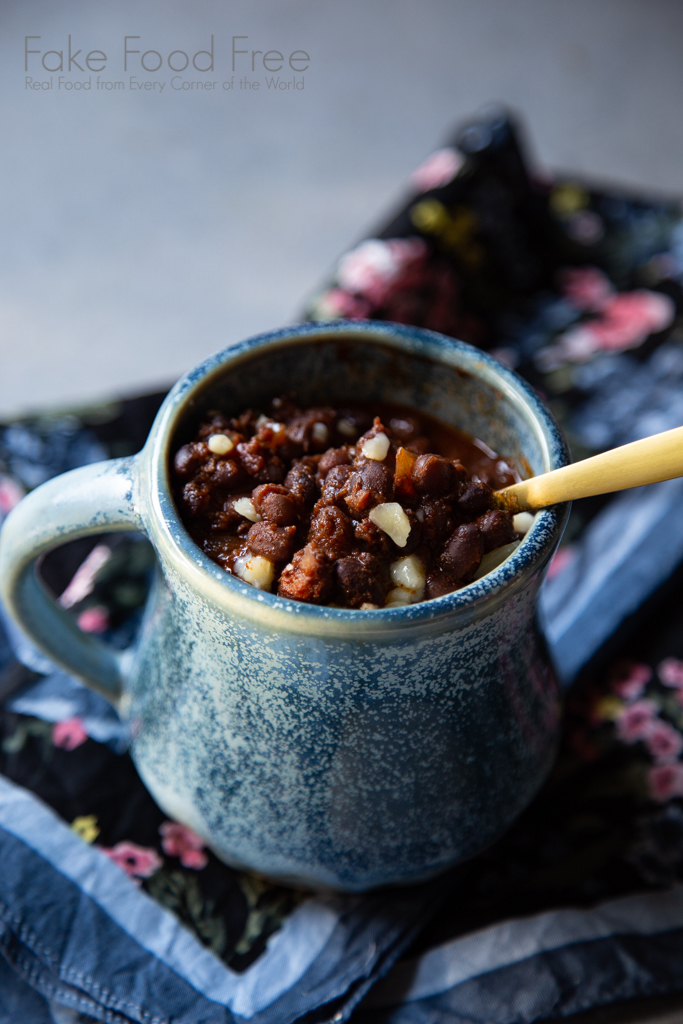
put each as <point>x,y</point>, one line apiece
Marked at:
<point>550,965</point>
<point>83,936</point>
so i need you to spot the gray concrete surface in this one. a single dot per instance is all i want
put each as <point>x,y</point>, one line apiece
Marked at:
<point>142,231</point>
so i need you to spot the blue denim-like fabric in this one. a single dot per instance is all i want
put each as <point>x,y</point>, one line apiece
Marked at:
<point>555,984</point>
<point>19,1002</point>
<point>65,959</point>
<point>80,933</point>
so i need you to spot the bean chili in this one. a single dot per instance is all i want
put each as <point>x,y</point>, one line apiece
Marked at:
<point>349,507</point>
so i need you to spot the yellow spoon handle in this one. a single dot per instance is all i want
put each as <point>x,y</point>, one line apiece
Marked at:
<point>647,461</point>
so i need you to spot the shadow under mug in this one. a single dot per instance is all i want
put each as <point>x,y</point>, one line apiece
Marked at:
<point>326,747</point>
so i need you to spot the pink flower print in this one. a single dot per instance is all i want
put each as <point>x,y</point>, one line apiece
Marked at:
<point>576,345</point>
<point>136,861</point>
<point>635,721</point>
<point>664,742</point>
<point>630,318</point>
<point>670,671</point>
<point>68,734</point>
<point>94,620</point>
<point>625,321</point>
<point>665,781</point>
<point>629,679</point>
<point>371,268</point>
<point>507,356</point>
<point>560,560</point>
<point>10,494</point>
<point>437,170</point>
<point>83,582</point>
<point>180,841</point>
<point>587,288</point>
<point>336,303</point>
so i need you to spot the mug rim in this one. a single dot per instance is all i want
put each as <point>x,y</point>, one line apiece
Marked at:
<point>172,540</point>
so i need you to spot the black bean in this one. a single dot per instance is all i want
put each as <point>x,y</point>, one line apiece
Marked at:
<point>331,458</point>
<point>475,498</point>
<point>496,528</point>
<point>300,482</point>
<point>360,580</point>
<point>433,475</point>
<point>463,552</point>
<point>188,459</point>
<point>227,473</point>
<point>438,521</point>
<point>370,483</point>
<point>279,509</point>
<point>273,542</point>
<point>440,582</point>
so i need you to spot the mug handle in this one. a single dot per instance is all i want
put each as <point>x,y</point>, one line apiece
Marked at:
<point>101,497</point>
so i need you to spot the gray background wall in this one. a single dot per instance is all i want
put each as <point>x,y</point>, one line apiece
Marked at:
<point>142,231</point>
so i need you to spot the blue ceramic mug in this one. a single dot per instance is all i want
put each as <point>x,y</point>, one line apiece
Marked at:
<point>320,746</point>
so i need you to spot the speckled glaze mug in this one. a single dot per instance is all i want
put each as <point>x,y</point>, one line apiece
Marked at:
<point>320,746</point>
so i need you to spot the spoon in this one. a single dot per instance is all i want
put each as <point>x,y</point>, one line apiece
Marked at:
<point>655,458</point>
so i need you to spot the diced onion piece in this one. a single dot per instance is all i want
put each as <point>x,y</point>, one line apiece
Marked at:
<point>261,421</point>
<point>320,433</point>
<point>409,574</point>
<point>220,444</point>
<point>391,518</point>
<point>347,428</point>
<point>256,570</point>
<point>522,522</point>
<point>398,598</point>
<point>405,461</point>
<point>494,558</point>
<point>376,447</point>
<point>246,508</point>
<point>368,606</point>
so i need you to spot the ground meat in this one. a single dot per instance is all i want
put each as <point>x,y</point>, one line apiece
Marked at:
<point>332,531</point>
<point>334,486</point>
<point>224,520</point>
<point>308,577</point>
<point>251,456</point>
<point>369,537</point>
<point>195,497</point>
<point>332,500</point>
